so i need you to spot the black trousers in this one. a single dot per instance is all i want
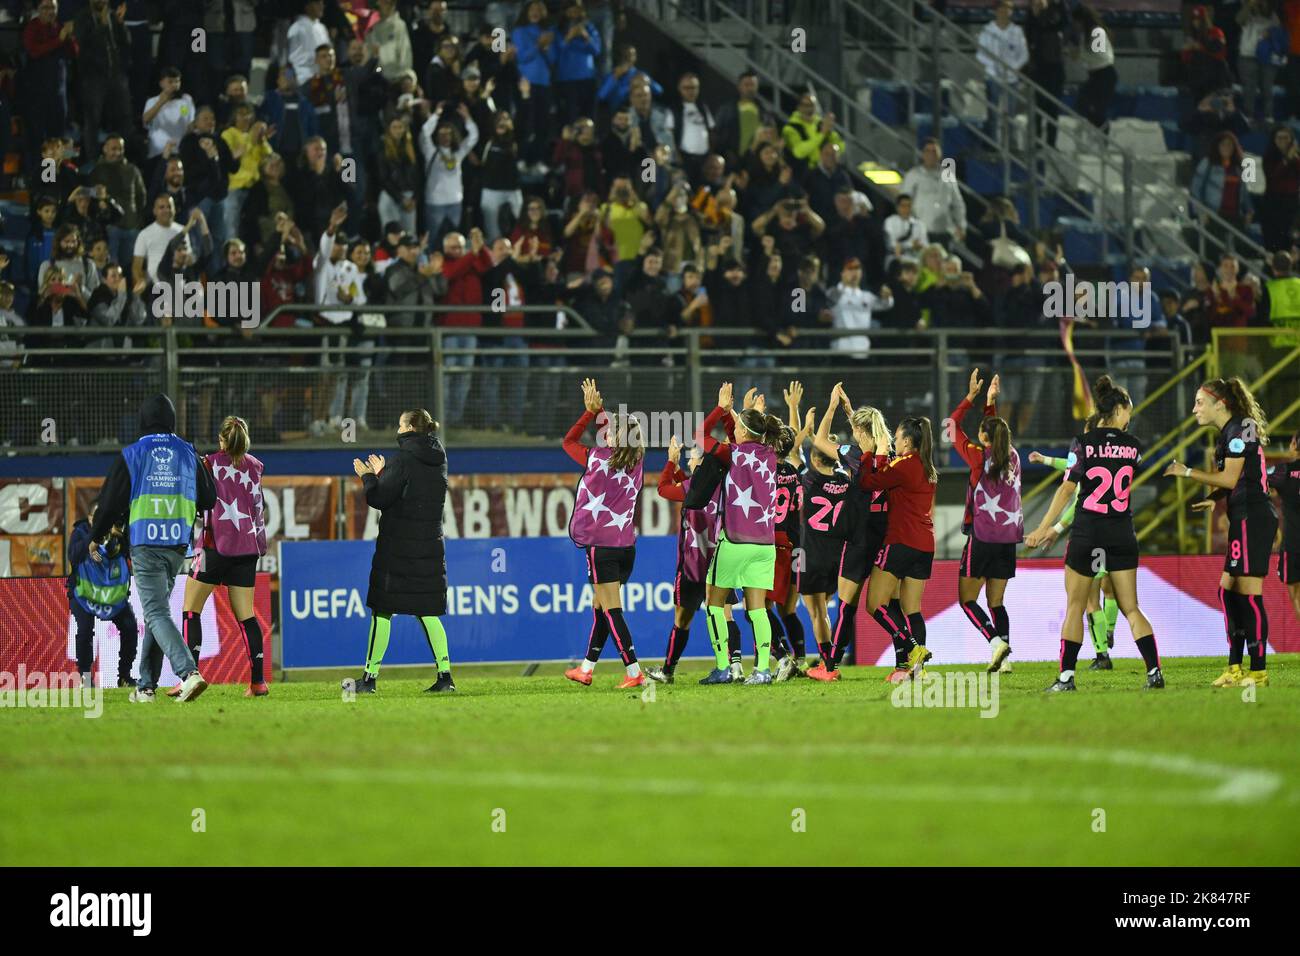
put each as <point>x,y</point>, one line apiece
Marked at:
<point>1051,77</point>
<point>126,628</point>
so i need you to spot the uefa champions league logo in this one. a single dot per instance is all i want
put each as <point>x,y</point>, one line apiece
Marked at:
<point>163,459</point>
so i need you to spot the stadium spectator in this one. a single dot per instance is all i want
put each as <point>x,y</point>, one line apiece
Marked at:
<point>92,211</point>
<point>1216,113</point>
<point>444,151</point>
<point>628,218</point>
<point>936,195</point>
<point>806,130</point>
<point>852,308</point>
<point>117,302</point>
<point>729,293</point>
<point>1045,24</point>
<point>622,149</point>
<point>58,305</point>
<point>535,225</point>
<point>793,227</point>
<point>600,308</point>
<point>739,120</point>
<point>1205,54</point>
<point>1219,185</point>
<point>812,308</point>
<point>427,32</point>
<point>1002,51</point>
<point>1233,306</point>
<point>267,199</point>
<point>169,180</point>
<point>826,179</point>
<point>337,280</point>
<point>853,232</point>
<point>1128,346</point>
<point>578,160</point>
<point>410,282</point>
<point>39,245</point>
<point>589,243</point>
<point>647,293</point>
<point>235,95</point>
<point>442,82</point>
<point>577,58</point>
<point>616,90</point>
<point>247,144</point>
<point>1281,202</point>
<point>398,175</point>
<point>289,116</point>
<point>152,240</point>
<point>513,271</point>
<point>691,123</point>
<point>184,257</point>
<point>124,185</point>
<point>679,234</point>
<point>306,35</point>
<point>905,235</point>
<point>389,40</point>
<point>1279,303</point>
<point>69,258</point>
<point>1176,324</point>
<point>288,264</point>
<point>534,38</point>
<point>464,273</point>
<point>318,187</point>
<point>769,320</point>
<point>208,167</point>
<point>49,46</point>
<point>654,121</point>
<point>56,153</point>
<point>1261,49</point>
<point>168,115</point>
<point>764,179</point>
<point>691,302</point>
<point>103,49</point>
<point>1096,54</point>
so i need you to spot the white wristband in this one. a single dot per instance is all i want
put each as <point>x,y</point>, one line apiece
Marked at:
<point>1057,528</point>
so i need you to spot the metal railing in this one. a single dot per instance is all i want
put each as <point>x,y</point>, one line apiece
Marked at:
<point>299,387</point>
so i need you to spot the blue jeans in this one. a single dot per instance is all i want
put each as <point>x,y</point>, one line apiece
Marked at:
<point>439,219</point>
<point>457,384</point>
<point>232,209</point>
<point>121,246</point>
<point>503,395</point>
<point>155,571</point>
<point>761,382</point>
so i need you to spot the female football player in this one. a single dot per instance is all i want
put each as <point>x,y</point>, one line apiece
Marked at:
<point>1240,476</point>
<point>1101,465</point>
<point>604,526</point>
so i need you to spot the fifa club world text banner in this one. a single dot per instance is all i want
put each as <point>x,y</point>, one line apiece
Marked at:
<point>521,599</point>
<point>37,632</point>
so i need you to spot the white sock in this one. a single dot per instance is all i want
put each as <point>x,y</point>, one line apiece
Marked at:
<point>633,669</point>
<point>588,666</point>
<point>1065,676</point>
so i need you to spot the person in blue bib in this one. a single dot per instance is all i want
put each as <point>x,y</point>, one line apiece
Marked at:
<point>155,489</point>
<point>99,587</point>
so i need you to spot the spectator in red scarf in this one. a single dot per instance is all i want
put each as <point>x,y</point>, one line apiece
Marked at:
<point>1282,189</point>
<point>1205,54</point>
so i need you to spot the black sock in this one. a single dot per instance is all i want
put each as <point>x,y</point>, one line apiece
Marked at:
<point>778,639</point>
<point>827,656</point>
<point>975,614</point>
<point>895,609</point>
<point>599,635</point>
<point>1147,648</point>
<point>1237,625</point>
<point>903,642</point>
<point>733,642</point>
<point>1001,622</point>
<point>1256,630</point>
<point>794,633</point>
<point>1069,654</point>
<point>253,640</point>
<point>676,644</point>
<point>192,631</point>
<point>916,625</point>
<point>622,636</point>
<point>842,636</point>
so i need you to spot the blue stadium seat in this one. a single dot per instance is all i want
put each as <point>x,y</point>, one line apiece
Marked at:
<point>1175,139</point>
<point>957,138</point>
<point>888,101</point>
<point>1159,103</point>
<point>1081,240</point>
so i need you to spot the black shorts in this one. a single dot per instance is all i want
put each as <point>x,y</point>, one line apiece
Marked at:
<point>1096,548</point>
<point>984,559</point>
<point>820,560</point>
<point>609,565</point>
<point>904,562</point>
<point>1250,543</point>
<point>1288,567</point>
<point>212,568</point>
<point>858,556</point>
<point>691,595</point>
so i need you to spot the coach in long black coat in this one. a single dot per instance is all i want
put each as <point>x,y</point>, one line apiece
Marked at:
<point>409,572</point>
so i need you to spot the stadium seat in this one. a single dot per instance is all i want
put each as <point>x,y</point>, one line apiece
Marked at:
<point>1081,241</point>
<point>888,101</point>
<point>1158,103</point>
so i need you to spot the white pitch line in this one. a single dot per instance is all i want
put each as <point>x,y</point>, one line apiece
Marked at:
<point>1231,784</point>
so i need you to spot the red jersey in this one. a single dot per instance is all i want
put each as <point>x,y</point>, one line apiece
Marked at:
<point>911,500</point>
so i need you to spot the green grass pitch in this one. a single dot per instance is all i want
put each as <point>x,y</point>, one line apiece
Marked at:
<point>538,770</point>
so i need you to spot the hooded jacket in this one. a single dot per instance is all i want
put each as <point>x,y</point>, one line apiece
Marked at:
<point>408,574</point>
<point>157,416</point>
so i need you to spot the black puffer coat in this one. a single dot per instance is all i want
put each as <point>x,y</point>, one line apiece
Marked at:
<point>409,572</point>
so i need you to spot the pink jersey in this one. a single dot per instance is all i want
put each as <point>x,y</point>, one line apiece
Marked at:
<point>236,526</point>
<point>995,504</point>
<point>749,511</point>
<point>604,509</point>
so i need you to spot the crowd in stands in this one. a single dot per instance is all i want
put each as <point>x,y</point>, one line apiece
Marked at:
<point>402,154</point>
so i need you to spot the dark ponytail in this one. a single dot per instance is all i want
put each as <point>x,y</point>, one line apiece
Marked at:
<point>1109,395</point>
<point>1091,422</point>
<point>786,443</point>
<point>767,428</point>
<point>999,445</point>
<point>919,432</point>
